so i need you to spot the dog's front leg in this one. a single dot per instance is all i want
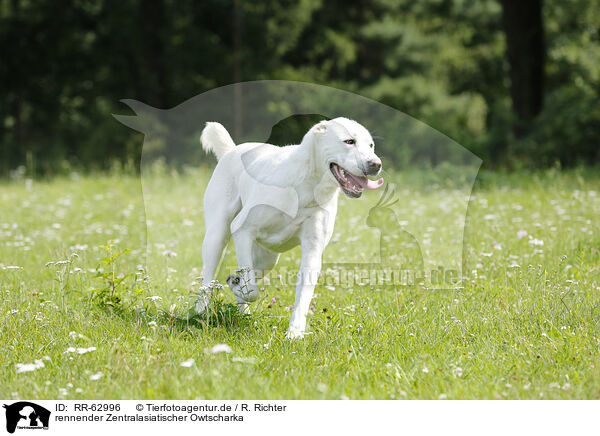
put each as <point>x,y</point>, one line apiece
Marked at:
<point>310,268</point>
<point>244,285</point>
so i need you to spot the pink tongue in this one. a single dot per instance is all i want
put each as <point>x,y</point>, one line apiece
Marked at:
<point>367,183</point>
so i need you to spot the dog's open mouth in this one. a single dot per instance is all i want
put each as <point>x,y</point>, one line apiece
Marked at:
<point>352,185</point>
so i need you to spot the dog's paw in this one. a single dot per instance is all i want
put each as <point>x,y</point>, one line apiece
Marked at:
<point>243,291</point>
<point>294,334</point>
<point>235,284</point>
<point>233,280</point>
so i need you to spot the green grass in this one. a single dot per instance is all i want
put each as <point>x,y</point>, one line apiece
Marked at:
<point>525,324</point>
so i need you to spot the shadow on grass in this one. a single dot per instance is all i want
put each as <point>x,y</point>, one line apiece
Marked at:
<point>221,315</point>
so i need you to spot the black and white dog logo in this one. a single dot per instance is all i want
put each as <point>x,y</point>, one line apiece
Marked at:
<point>26,415</point>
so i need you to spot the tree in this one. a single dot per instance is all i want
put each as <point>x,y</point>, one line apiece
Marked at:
<point>526,51</point>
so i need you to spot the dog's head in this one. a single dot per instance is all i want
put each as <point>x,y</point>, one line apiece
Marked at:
<point>347,152</point>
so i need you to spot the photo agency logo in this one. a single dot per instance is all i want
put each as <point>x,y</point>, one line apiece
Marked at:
<point>394,236</point>
<point>25,415</point>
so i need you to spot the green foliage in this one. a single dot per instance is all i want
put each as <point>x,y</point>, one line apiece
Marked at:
<point>114,288</point>
<point>568,129</point>
<point>441,61</point>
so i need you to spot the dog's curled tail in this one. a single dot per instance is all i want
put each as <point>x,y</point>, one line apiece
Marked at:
<point>215,138</point>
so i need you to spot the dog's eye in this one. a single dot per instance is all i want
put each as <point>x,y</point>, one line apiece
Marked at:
<point>350,141</point>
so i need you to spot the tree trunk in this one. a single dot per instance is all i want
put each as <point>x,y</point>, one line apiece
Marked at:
<point>526,51</point>
<point>153,27</point>
<point>237,70</point>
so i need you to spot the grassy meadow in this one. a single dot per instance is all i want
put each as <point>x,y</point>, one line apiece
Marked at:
<point>83,316</point>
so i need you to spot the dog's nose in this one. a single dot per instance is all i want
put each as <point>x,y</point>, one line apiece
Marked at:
<point>374,166</point>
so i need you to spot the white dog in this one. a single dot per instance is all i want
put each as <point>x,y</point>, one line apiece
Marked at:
<point>270,199</point>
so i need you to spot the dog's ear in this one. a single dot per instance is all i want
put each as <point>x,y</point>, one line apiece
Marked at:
<point>320,128</point>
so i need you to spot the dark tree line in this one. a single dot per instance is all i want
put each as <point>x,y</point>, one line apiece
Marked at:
<point>514,81</point>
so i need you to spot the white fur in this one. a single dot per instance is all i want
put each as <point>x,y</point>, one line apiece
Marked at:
<point>270,199</point>
<point>216,139</point>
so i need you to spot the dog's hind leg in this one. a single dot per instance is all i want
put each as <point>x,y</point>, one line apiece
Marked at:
<point>217,219</point>
<point>214,243</point>
<point>215,239</point>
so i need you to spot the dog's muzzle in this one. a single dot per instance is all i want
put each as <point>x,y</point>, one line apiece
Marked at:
<point>373,167</point>
<point>351,184</point>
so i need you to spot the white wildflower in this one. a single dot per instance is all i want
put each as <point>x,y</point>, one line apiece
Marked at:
<point>80,350</point>
<point>187,363</point>
<point>521,234</point>
<point>154,298</point>
<point>220,348</point>
<point>28,367</point>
